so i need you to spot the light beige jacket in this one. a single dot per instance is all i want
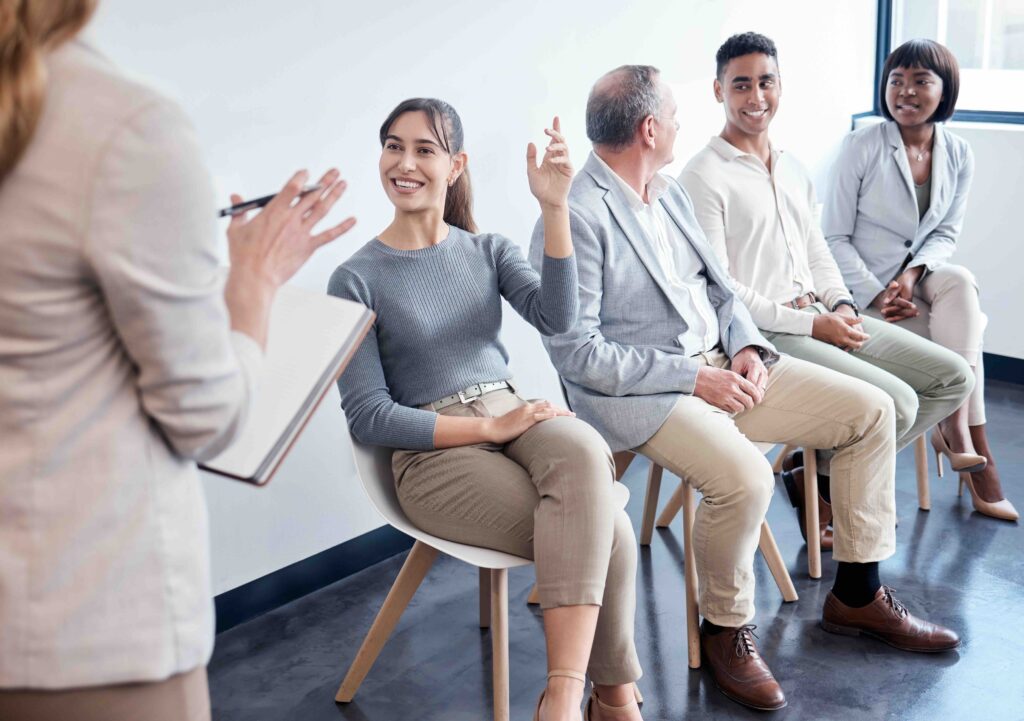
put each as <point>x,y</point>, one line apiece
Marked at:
<point>117,372</point>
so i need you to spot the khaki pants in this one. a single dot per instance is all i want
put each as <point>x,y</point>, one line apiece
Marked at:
<point>805,405</point>
<point>184,697</point>
<point>546,496</point>
<point>951,316</point>
<point>925,381</point>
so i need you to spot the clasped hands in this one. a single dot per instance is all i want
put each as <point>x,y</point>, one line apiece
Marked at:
<point>894,303</point>
<point>737,389</point>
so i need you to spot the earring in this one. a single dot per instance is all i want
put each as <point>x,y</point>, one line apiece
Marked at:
<point>451,181</point>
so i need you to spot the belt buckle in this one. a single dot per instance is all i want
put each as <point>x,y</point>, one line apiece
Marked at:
<point>462,394</point>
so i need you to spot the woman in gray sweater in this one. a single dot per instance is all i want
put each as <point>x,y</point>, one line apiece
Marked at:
<point>474,461</point>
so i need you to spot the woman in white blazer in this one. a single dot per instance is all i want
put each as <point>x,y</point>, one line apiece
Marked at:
<point>123,359</point>
<point>893,215</point>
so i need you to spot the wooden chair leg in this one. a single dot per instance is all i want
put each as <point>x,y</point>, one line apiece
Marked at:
<point>675,502</point>
<point>499,642</point>
<point>650,503</point>
<point>415,568</point>
<point>924,496</point>
<point>534,598</point>
<point>776,565</point>
<point>692,607</point>
<point>811,513</point>
<point>786,450</point>
<point>485,598</point>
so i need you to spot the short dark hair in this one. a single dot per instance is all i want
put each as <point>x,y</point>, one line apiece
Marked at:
<point>932,56</point>
<point>616,108</point>
<point>743,44</point>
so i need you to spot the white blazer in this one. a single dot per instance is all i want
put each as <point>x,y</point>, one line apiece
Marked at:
<point>117,371</point>
<point>871,216</point>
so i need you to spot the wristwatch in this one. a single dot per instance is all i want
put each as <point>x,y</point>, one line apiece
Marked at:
<point>849,302</point>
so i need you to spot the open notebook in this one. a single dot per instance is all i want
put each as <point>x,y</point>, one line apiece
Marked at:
<point>311,338</point>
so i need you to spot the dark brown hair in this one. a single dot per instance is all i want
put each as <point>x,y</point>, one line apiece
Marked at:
<point>447,128</point>
<point>28,30</point>
<point>929,55</point>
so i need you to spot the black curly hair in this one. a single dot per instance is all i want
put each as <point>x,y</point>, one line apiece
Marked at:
<point>743,44</point>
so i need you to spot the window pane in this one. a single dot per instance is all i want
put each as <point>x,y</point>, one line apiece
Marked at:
<point>1007,35</point>
<point>987,37</point>
<point>965,31</point>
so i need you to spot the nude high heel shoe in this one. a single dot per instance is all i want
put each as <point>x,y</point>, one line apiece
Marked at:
<point>568,673</point>
<point>959,462</point>
<point>1003,509</point>
<point>594,702</point>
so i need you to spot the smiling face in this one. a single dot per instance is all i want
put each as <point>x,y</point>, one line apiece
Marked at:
<point>415,170</point>
<point>750,90</point>
<point>912,95</point>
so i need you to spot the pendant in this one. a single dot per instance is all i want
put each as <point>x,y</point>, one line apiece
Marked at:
<point>920,157</point>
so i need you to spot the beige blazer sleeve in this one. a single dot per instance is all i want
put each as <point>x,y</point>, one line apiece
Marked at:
<point>148,245</point>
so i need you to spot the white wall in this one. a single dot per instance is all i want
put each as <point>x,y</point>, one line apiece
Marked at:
<point>273,87</point>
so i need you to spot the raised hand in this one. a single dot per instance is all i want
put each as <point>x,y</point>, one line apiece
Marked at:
<point>550,181</point>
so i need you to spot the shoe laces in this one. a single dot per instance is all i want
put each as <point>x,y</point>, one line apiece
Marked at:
<point>744,640</point>
<point>894,603</point>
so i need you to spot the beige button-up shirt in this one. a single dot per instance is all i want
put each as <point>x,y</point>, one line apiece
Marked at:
<point>764,227</point>
<point>681,265</point>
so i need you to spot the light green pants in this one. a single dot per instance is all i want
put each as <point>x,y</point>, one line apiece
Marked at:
<point>925,381</point>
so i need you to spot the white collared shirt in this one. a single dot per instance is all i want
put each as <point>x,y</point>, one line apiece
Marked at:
<point>682,266</point>
<point>764,226</point>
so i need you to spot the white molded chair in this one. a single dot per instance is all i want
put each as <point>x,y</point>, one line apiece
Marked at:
<point>373,466</point>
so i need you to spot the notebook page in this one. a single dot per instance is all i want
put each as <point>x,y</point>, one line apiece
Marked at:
<point>307,331</point>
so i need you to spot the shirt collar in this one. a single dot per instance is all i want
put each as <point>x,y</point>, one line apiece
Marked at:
<point>730,152</point>
<point>655,189</point>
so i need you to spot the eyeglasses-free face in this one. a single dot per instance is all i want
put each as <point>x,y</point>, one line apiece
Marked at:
<point>749,90</point>
<point>912,95</point>
<point>414,168</point>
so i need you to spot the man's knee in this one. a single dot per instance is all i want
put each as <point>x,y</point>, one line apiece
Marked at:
<point>905,406</point>
<point>746,483</point>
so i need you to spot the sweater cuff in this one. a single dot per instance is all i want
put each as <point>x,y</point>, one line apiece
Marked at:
<point>559,291</point>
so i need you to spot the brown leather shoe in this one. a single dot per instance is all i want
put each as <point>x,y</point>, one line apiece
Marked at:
<point>793,480</point>
<point>738,669</point>
<point>888,620</point>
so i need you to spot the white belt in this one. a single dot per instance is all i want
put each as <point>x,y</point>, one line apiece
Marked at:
<point>468,395</point>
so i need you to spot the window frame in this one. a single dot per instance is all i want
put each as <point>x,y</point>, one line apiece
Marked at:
<point>883,46</point>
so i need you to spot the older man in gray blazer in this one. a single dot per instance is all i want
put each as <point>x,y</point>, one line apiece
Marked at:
<point>665,360</point>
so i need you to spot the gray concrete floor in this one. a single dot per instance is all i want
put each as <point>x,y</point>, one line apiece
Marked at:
<point>952,566</point>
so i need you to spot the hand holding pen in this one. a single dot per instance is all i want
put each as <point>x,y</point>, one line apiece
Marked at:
<point>270,247</point>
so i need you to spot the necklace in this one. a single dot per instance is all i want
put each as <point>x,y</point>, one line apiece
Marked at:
<point>920,155</point>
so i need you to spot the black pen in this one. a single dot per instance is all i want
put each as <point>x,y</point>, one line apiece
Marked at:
<point>260,202</point>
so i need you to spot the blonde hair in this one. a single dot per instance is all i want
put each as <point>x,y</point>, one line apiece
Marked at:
<point>28,30</point>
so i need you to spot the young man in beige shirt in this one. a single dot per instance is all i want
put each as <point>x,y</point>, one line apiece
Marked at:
<point>757,206</point>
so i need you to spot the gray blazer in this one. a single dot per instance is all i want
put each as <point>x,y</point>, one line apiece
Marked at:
<point>871,217</point>
<point>622,363</point>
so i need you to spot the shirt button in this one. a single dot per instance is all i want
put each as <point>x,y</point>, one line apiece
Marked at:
<point>907,243</point>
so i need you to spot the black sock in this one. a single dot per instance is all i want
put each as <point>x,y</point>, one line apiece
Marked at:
<point>856,583</point>
<point>825,488</point>
<point>710,629</point>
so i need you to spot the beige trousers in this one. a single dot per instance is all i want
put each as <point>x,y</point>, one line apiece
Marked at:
<point>546,496</point>
<point>951,316</point>
<point>184,697</point>
<point>804,404</point>
<point>925,381</point>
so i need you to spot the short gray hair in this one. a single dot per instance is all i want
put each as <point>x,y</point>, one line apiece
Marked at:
<point>619,102</point>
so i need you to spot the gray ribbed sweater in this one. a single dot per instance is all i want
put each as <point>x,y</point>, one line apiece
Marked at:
<point>438,319</point>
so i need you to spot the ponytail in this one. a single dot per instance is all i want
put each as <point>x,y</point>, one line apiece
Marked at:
<point>447,128</point>
<point>458,204</point>
<point>28,30</point>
